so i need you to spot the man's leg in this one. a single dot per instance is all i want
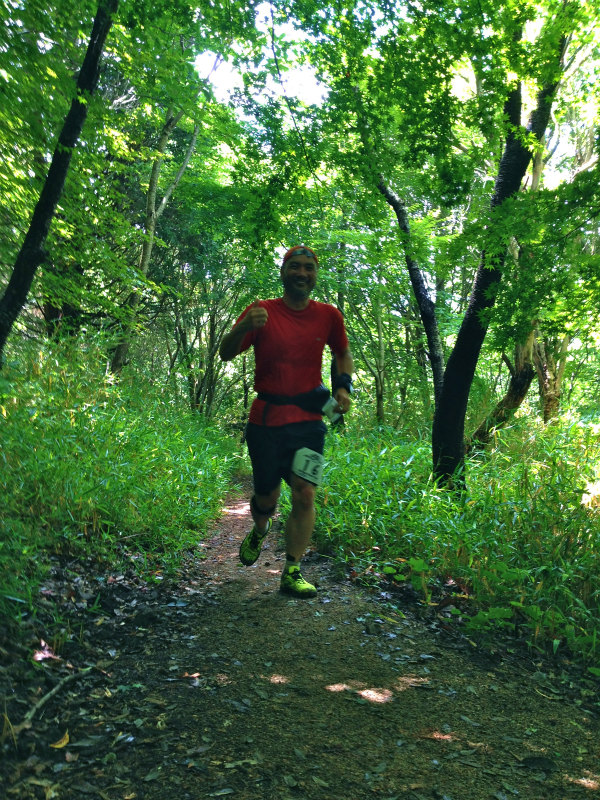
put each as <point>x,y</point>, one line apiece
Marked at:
<point>301,521</point>
<point>262,508</point>
<point>262,448</point>
<point>298,530</point>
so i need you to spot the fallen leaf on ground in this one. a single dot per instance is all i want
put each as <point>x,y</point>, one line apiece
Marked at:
<point>63,742</point>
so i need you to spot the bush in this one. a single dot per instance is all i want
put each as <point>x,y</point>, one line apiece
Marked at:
<point>520,539</point>
<point>93,466</point>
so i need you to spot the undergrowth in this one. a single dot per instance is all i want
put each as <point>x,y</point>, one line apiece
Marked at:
<point>94,467</point>
<point>104,469</point>
<point>519,543</point>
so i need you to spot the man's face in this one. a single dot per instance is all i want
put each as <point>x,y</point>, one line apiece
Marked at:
<point>299,276</point>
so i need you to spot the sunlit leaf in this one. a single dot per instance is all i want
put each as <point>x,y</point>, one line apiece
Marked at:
<point>62,742</point>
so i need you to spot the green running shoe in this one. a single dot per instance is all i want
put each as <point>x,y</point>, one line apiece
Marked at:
<point>293,583</point>
<point>251,546</point>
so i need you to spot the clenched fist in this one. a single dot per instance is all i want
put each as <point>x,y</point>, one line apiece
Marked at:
<point>256,317</point>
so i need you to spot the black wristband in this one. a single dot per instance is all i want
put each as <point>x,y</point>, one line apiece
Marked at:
<point>342,381</point>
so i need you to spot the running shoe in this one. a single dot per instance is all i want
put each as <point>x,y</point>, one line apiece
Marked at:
<point>293,583</point>
<point>251,546</point>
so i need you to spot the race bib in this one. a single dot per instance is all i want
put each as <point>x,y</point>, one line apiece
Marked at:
<point>308,464</point>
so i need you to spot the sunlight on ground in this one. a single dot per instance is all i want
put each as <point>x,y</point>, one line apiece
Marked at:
<point>241,509</point>
<point>279,679</point>
<point>441,737</point>
<point>45,652</point>
<point>376,695</point>
<point>344,687</point>
<point>372,695</point>
<point>591,782</point>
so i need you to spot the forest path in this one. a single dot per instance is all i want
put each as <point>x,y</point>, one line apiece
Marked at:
<point>216,685</point>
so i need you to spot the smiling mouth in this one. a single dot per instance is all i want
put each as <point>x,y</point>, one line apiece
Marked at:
<point>299,286</point>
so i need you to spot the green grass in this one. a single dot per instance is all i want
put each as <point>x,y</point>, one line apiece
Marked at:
<point>90,466</point>
<point>520,540</point>
<point>105,469</point>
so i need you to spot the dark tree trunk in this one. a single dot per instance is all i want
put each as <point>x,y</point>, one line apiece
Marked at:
<point>31,254</point>
<point>448,444</point>
<point>340,422</point>
<point>521,376</point>
<point>379,398</point>
<point>424,301</point>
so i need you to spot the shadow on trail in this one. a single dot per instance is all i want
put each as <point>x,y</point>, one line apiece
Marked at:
<point>220,686</point>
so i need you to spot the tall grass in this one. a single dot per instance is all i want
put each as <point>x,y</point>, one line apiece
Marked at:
<point>89,465</point>
<point>102,468</point>
<point>519,540</point>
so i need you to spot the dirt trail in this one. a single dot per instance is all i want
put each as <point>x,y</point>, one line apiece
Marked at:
<point>218,686</point>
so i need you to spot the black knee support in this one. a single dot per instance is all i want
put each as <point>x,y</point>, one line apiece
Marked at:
<point>261,512</point>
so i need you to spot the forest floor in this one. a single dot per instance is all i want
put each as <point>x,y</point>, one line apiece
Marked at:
<point>215,685</point>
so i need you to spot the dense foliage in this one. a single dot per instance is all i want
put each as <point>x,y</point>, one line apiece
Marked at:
<point>95,467</point>
<point>445,168</point>
<point>522,543</point>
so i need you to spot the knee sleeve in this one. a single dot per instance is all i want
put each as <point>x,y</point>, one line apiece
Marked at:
<point>263,512</point>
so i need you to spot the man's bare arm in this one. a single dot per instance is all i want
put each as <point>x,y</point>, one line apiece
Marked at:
<point>344,362</point>
<point>230,344</point>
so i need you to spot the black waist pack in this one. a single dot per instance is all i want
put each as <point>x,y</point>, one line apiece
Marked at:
<point>312,401</point>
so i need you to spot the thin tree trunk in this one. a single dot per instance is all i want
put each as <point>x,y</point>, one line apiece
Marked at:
<point>521,376</point>
<point>424,301</point>
<point>211,372</point>
<point>153,213</point>
<point>375,364</point>
<point>550,371</point>
<point>380,378</point>
<point>340,423</point>
<point>32,254</point>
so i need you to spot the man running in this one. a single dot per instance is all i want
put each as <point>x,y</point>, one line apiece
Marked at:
<point>285,433</point>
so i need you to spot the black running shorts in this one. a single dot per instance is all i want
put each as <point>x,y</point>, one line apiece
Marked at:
<point>272,449</point>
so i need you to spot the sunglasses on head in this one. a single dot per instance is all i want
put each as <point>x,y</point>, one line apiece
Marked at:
<point>300,251</point>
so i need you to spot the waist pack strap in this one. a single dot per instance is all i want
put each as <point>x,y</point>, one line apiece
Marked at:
<point>277,399</point>
<point>312,401</point>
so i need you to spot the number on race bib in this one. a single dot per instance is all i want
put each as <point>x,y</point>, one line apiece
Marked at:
<point>308,464</point>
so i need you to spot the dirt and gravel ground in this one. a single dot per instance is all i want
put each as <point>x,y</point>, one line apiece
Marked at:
<point>215,685</point>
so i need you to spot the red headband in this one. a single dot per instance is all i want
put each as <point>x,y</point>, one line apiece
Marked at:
<point>300,250</point>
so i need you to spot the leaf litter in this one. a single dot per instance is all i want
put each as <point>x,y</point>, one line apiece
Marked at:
<point>214,685</point>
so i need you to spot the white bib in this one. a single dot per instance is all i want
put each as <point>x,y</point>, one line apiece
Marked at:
<point>308,464</point>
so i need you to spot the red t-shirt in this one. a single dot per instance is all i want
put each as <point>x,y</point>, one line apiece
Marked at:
<point>288,355</point>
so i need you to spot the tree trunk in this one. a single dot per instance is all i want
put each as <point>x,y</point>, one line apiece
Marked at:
<point>31,254</point>
<point>424,301</point>
<point>448,445</point>
<point>380,377</point>
<point>153,212</point>
<point>211,372</point>
<point>415,345</point>
<point>373,357</point>
<point>521,375</point>
<point>550,367</point>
